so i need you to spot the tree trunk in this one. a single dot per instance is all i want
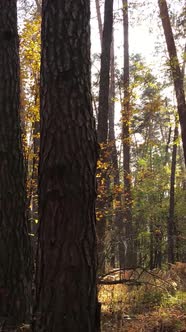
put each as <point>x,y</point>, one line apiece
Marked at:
<point>102,130</point>
<point>34,186</point>
<point>151,258</point>
<point>111,133</point>
<point>183,65</point>
<point>175,69</point>
<point>66,261</point>
<point>127,257</point>
<point>15,264</point>
<point>38,5</point>
<point>111,130</point>
<point>113,157</point>
<point>170,222</point>
<point>99,19</point>
<point>104,73</point>
<point>167,145</point>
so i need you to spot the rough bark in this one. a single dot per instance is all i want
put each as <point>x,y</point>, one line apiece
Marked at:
<point>66,262</point>
<point>14,240</point>
<point>127,251</point>
<point>175,69</point>
<point>171,222</point>
<point>102,129</point>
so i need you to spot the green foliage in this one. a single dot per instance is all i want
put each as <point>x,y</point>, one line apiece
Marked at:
<point>178,300</point>
<point>147,298</point>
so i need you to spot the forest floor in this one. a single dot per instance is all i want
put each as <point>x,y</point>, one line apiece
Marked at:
<point>141,300</point>
<point>155,304</point>
<point>166,320</point>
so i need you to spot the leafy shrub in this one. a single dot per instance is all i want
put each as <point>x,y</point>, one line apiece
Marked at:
<point>147,298</point>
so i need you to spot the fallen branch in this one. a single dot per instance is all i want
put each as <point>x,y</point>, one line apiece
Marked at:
<point>121,281</point>
<point>131,281</point>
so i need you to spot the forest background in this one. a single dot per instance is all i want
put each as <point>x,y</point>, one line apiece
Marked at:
<point>141,176</point>
<point>153,114</point>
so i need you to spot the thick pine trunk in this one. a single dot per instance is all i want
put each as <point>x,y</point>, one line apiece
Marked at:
<point>66,262</point>
<point>14,240</point>
<point>175,69</point>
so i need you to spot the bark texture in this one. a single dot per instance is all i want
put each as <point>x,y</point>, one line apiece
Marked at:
<point>14,242</point>
<point>175,69</point>
<point>66,262</point>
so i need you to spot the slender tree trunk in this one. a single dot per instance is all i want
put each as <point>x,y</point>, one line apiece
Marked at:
<point>66,261</point>
<point>167,145</point>
<point>32,201</point>
<point>170,222</point>
<point>113,156</point>
<point>38,4</point>
<point>127,258</point>
<point>175,68</point>
<point>34,184</point>
<point>15,271</point>
<point>184,63</point>
<point>151,263</point>
<point>99,19</point>
<point>111,130</point>
<point>102,130</point>
<point>104,73</point>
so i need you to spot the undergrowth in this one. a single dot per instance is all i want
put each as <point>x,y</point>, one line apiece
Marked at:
<point>142,308</point>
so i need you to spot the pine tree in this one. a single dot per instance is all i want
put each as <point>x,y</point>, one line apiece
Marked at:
<point>14,241</point>
<point>66,262</point>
